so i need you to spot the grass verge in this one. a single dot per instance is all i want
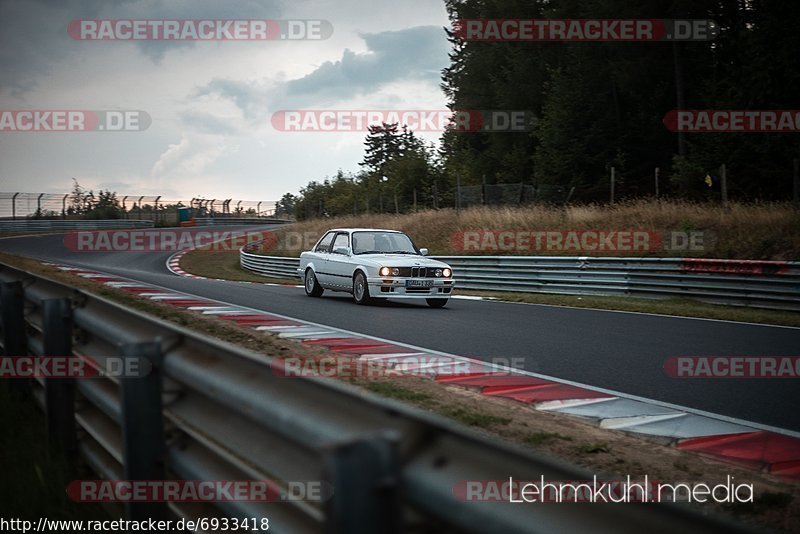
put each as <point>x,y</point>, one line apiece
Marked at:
<point>756,231</point>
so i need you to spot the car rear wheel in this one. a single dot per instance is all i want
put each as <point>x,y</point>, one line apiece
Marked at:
<point>313,289</point>
<point>360,289</point>
<point>436,303</point>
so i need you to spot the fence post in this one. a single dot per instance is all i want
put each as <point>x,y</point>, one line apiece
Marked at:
<point>656,173</point>
<point>59,391</point>
<point>143,427</point>
<point>458,195</point>
<point>724,184</point>
<point>613,176</point>
<point>365,478</point>
<point>12,318</point>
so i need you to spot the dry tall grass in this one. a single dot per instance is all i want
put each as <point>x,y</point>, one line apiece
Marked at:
<point>766,231</point>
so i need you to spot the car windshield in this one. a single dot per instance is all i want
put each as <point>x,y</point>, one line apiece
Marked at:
<point>382,243</point>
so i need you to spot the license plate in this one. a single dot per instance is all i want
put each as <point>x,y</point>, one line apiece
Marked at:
<point>419,283</point>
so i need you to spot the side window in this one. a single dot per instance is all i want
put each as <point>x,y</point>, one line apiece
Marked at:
<point>340,241</point>
<point>325,243</point>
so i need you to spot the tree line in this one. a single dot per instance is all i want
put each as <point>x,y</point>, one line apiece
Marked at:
<point>598,105</point>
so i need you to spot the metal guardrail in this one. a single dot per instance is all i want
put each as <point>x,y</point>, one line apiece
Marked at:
<point>212,221</point>
<point>46,225</point>
<point>210,410</point>
<point>772,285</point>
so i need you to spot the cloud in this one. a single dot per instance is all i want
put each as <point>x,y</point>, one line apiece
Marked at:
<point>410,54</point>
<point>34,39</point>
<point>190,157</point>
<point>413,54</point>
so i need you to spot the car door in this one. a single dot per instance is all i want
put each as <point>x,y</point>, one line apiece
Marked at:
<point>339,265</point>
<point>321,253</point>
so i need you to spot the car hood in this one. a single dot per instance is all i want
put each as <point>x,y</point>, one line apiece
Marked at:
<point>398,260</point>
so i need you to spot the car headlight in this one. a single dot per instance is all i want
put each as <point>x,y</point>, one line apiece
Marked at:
<point>385,271</point>
<point>438,272</point>
<point>395,271</point>
<point>447,272</point>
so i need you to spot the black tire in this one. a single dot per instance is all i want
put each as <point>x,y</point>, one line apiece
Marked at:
<point>360,289</point>
<point>313,289</point>
<point>436,303</point>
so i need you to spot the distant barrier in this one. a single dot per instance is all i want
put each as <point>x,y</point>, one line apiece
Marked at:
<point>46,225</point>
<point>213,221</point>
<point>759,284</point>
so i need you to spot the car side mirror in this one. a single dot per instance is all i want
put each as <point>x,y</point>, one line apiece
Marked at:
<point>423,251</point>
<point>342,250</point>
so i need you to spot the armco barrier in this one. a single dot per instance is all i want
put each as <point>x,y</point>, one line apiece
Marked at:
<point>210,410</point>
<point>214,221</point>
<point>760,284</point>
<point>36,225</point>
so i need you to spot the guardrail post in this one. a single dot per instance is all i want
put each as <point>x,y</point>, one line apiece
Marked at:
<point>59,391</point>
<point>12,318</point>
<point>143,427</point>
<point>365,478</point>
<point>14,207</point>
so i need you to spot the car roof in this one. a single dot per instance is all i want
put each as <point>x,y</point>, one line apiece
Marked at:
<point>363,230</point>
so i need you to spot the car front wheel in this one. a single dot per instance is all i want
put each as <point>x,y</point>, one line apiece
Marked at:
<point>313,289</point>
<point>436,303</point>
<point>360,289</point>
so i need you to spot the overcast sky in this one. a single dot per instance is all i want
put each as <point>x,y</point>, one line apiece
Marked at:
<point>210,102</point>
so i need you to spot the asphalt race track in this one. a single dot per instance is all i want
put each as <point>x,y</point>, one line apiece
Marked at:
<point>624,352</point>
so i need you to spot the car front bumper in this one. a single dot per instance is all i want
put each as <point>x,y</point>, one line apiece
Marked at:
<point>397,288</point>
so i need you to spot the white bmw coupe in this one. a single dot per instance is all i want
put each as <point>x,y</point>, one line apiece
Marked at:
<point>374,264</point>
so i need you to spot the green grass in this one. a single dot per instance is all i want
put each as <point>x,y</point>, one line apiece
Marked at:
<point>393,391</point>
<point>540,438</point>
<point>225,265</point>
<point>473,418</point>
<point>594,448</point>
